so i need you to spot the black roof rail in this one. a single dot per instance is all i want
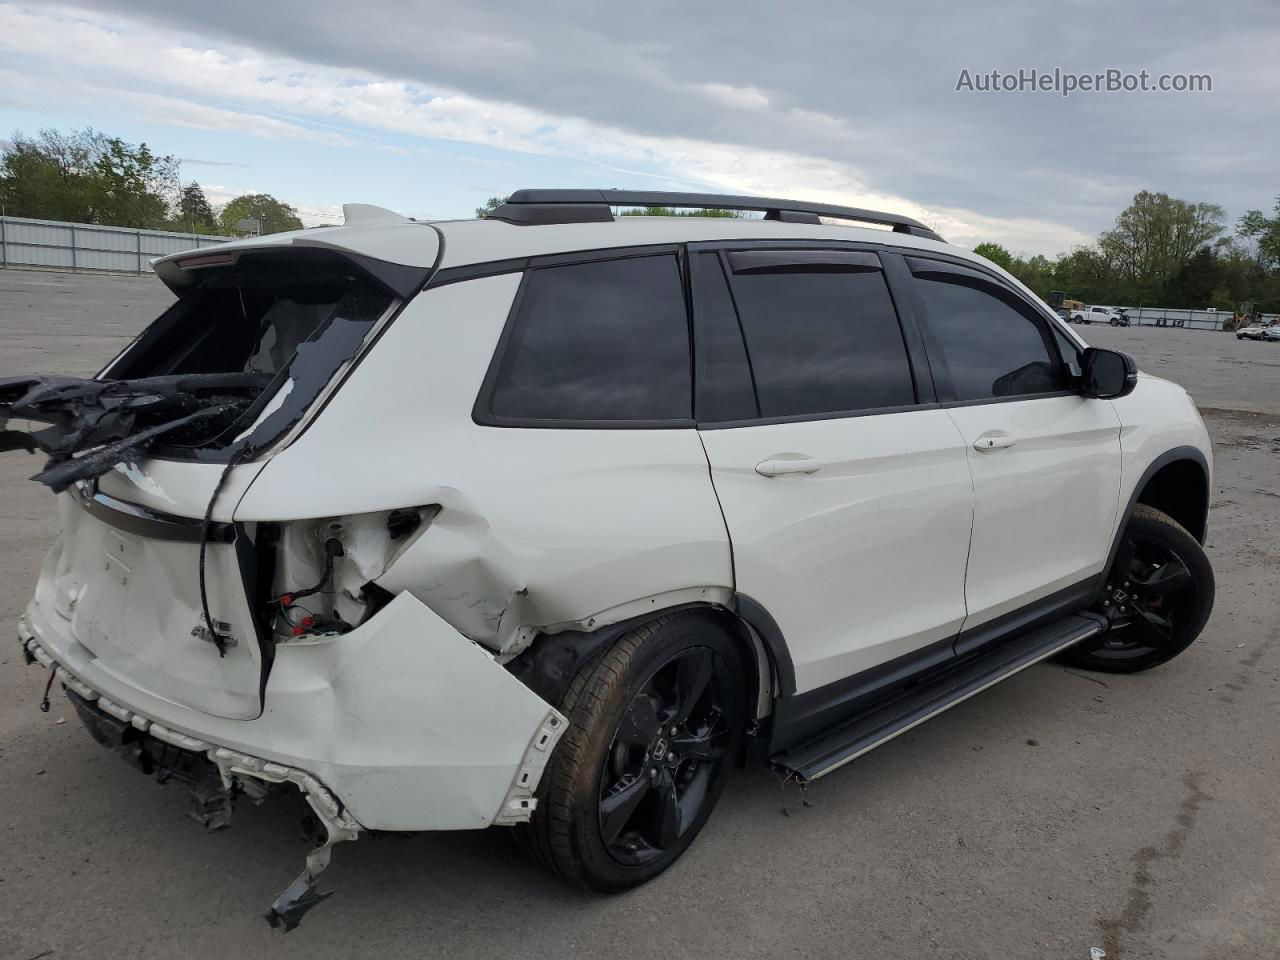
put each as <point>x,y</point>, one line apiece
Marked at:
<point>532,207</point>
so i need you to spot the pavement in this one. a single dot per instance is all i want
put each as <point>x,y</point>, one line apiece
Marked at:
<point>1058,812</point>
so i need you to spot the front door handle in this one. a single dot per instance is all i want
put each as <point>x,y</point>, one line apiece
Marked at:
<point>993,441</point>
<point>777,466</point>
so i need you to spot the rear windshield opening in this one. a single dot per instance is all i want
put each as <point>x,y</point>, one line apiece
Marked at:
<point>250,318</point>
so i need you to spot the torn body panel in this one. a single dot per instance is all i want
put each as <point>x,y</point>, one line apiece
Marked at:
<point>522,538</point>
<point>408,724</point>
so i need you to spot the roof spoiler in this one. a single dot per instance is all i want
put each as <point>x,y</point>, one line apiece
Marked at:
<point>536,207</point>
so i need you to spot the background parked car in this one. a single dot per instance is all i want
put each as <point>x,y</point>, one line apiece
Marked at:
<point>1272,333</point>
<point>1096,314</point>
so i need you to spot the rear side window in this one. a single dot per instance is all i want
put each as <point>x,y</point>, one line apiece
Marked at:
<point>822,339</point>
<point>601,341</point>
<point>991,348</point>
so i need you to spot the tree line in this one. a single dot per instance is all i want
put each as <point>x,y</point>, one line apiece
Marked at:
<point>1164,252</point>
<point>88,177</point>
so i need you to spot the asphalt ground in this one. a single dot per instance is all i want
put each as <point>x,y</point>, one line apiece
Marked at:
<point>1056,812</point>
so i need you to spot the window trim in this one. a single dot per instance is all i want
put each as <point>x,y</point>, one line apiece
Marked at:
<point>482,411</point>
<point>917,359</point>
<point>917,267</point>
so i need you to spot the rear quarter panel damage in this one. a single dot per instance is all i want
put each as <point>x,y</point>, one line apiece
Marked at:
<point>537,528</point>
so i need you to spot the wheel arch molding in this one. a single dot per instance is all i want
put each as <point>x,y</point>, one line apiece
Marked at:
<point>548,665</point>
<point>1175,483</point>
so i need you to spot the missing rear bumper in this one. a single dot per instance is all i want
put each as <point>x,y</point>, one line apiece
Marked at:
<point>214,774</point>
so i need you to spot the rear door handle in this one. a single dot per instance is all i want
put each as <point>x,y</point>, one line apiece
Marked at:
<point>777,466</point>
<point>993,441</point>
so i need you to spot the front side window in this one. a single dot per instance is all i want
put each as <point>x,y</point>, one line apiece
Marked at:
<point>823,340</point>
<point>990,347</point>
<point>601,341</point>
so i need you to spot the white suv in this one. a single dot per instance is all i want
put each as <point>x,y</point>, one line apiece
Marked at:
<point>545,519</point>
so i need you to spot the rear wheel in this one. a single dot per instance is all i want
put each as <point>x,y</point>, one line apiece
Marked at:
<point>1158,596</point>
<point>653,724</point>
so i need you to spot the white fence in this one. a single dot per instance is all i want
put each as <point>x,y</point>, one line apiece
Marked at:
<point>57,245</point>
<point>1191,319</point>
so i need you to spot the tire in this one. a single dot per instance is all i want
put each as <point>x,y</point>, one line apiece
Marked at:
<point>601,762</point>
<point>1167,586</point>
<point>1115,323</point>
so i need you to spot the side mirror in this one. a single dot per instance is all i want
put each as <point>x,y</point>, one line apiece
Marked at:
<point>1107,374</point>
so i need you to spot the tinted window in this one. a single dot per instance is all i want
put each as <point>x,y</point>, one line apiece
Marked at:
<point>599,341</point>
<point>1070,352</point>
<point>822,342</point>
<point>723,376</point>
<point>990,348</point>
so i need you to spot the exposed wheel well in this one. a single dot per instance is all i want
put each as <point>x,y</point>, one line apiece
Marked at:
<point>548,665</point>
<point>1181,490</point>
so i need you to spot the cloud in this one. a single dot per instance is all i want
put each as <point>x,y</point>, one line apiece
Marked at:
<point>863,112</point>
<point>196,162</point>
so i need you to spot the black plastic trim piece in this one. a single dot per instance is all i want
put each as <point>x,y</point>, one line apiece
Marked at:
<point>905,301</point>
<point>758,618</point>
<point>1169,456</point>
<point>136,519</point>
<point>477,271</point>
<point>799,260</point>
<point>963,679</point>
<point>806,715</point>
<point>1060,603</point>
<point>809,417</point>
<point>528,207</point>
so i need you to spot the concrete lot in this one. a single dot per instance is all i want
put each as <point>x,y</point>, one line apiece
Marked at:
<point>1059,811</point>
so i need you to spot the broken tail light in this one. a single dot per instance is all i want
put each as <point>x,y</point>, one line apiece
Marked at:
<point>325,572</point>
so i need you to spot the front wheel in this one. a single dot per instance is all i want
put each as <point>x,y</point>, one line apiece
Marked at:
<point>653,724</point>
<point>1158,596</point>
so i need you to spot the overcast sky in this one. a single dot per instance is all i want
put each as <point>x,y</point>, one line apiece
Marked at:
<point>429,108</point>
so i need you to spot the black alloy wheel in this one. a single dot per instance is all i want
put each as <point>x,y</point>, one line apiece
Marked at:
<point>1157,597</point>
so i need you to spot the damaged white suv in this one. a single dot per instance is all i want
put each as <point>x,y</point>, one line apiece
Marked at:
<point>546,519</point>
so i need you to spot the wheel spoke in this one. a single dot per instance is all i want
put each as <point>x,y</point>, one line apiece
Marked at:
<point>692,676</point>
<point>640,722</point>
<point>699,746</point>
<point>1170,577</point>
<point>668,818</point>
<point>616,809</point>
<point>1155,630</point>
<point>1123,561</point>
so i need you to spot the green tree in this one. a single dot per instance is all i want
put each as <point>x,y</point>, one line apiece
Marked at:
<point>86,177</point>
<point>1154,238</point>
<point>490,205</point>
<point>133,186</point>
<point>194,213</point>
<point>273,215</point>
<point>1263,231</point>
<point>996,254</point>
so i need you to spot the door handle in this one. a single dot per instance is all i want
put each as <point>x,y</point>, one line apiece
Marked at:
<point>777,467</point>
<point>993,441</point>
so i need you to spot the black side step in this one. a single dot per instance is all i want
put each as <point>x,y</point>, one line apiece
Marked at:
<point>853,738</point>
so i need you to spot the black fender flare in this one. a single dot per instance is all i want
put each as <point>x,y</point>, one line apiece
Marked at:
<point>1193,454</point>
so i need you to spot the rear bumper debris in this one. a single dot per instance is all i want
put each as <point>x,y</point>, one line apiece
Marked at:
<point>214,774</point>
<point>401,724</point>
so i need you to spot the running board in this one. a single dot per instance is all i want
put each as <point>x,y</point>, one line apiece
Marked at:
<point>851,739</point>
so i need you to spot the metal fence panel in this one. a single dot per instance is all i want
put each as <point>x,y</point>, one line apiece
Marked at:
<point>56,245</point>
